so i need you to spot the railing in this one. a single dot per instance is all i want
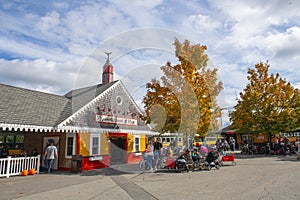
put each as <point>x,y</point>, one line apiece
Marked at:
<point>14,166</point>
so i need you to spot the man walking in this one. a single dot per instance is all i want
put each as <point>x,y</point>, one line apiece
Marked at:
<point>50,155</point>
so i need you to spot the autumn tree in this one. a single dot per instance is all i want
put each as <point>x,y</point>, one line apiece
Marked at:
<point>268,104</point>
<point>184,100</point>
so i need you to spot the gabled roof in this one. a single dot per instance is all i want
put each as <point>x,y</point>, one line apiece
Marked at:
<point>78,98</point>
<point>24,108</point>
<point>28,107</point>
<point>81,100</point>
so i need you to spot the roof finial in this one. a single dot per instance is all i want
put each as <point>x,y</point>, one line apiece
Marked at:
<point>107,53</point>
<point>107,60</point>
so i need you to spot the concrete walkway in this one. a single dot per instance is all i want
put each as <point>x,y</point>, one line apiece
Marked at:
<point>252,178</point>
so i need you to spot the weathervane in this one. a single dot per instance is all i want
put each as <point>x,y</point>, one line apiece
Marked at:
<point>107,53</point>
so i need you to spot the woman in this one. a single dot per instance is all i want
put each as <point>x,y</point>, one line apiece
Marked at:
<point>150,155</point>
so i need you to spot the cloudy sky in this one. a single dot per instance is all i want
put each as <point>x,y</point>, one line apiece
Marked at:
<point>55,46</point>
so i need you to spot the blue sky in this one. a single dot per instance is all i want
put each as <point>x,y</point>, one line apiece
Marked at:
<point>54,46</point>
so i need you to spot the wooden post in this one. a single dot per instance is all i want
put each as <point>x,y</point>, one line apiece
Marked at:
<point>8,166</point>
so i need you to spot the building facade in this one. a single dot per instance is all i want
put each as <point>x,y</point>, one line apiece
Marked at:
<point>102,123</point>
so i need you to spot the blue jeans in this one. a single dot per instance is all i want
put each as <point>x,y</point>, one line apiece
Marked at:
<point>149,161</point>
<point>156,158</point>
<point>50,165</point>
<point>233,147</point>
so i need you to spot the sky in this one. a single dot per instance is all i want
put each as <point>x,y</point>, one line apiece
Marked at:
<point>55,46</point>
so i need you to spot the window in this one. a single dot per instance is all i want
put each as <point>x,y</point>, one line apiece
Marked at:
<point>95,145</point>
<point>70,145</point>
<point>137,144</point>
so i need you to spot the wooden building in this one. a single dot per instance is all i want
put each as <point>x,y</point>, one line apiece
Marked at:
<point>101,122</point>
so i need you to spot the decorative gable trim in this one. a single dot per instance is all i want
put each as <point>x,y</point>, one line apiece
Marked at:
<point>35,128</point>
<point>87,106</point>
<point>131,99</point>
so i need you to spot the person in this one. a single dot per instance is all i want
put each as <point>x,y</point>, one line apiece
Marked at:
<point>150,156</point>
<point>157,152</point>
<point>4,152</point>
<point>225,145</point>
<point>232,143</point>
<point>34,152</point>
<point>169,152</point>
<point>268,148</point>
<point>50,155</point>
<point>297,143</point>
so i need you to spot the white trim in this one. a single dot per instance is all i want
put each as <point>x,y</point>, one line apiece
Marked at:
<point>88,105</point>
<point>72,129</point>
<point>137,136</point>
<point>68,135</point>
<point>22,127</point>
<point>130,98</point>
<point>95,135</point>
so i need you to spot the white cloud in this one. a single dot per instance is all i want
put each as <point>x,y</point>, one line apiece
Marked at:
<point>285,45</point>
<point>47,76</point>
<point>203,23</point>
<point>49,22</point>
<point>49,41</point>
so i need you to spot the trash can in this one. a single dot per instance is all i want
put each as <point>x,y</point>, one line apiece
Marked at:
<point>76,163</point>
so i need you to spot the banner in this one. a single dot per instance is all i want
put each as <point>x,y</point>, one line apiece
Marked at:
<point>116,120</point>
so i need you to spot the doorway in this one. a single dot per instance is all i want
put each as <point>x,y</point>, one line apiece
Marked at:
<point>56,143</point>
<point>118,149</point>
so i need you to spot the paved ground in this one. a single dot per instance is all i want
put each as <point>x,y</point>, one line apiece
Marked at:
<point>254,177</point>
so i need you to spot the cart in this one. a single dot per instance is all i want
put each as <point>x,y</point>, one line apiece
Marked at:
<point>228,156</point>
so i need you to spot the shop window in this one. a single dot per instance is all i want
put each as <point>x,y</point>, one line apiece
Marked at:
<point>95,145</point>
<point>137,144</point>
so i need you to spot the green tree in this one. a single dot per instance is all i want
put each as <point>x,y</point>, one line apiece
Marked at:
<point>186,94</point>
<point>268,104</point>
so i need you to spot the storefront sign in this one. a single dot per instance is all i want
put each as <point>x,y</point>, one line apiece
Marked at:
<point>116,120</point>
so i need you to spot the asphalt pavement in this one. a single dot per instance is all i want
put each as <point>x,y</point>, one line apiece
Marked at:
<point>254,177</point>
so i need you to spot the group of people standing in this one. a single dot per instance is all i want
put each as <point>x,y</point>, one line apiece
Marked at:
<point>225,145</point>
<point>152,154</point>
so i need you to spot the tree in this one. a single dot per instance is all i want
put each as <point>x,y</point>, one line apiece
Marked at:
<point>268,104</point>
<point>184,100</point>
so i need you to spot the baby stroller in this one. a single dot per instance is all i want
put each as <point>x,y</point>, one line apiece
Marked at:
<point>212,160</point>
<point>178,164</point>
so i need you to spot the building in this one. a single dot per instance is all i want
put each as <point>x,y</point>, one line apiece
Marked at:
<point>101,122</point>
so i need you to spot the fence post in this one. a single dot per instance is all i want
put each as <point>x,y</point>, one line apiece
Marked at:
<point>38,164</point>
<point>8,166</point>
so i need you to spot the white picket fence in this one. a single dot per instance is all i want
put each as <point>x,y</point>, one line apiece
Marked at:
<point>12,166</point>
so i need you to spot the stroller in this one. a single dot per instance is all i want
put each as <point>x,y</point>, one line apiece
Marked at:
<point>212,160</point>
<point>178,164</point>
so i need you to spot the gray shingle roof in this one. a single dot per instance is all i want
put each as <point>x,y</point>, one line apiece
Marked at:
<point>28,107</point>
<point>80,97</point>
